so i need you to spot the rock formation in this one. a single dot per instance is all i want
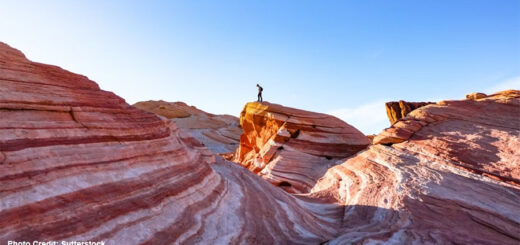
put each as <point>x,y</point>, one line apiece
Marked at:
<point>219,133</point>
<point>475,96</point>
<point>452,177</point>
<point>293,148</point>
<point>79,164</point>
<point>479,135</point>
<point>397,110</point>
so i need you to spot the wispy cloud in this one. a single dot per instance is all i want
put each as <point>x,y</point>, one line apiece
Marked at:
<point>512,83</point>
<point>369,118</point>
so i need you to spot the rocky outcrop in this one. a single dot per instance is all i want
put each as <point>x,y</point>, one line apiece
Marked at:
<point>292,148</point>
<point>79,164</point>
<point>453,177</point>
<point>480,135</point>
<point>397,110</point>
<point>219,133</point>
<point>475,96</point>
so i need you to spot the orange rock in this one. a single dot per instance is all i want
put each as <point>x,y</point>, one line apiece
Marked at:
<point>398,110</point>
<point>165,109</point>
<point>475,96</point>
<point>292,148</point>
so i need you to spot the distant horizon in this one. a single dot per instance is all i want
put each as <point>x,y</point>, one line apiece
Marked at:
<point>340,58</point>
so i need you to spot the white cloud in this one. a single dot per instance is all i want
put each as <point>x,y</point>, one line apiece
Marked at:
<point>512,83</point>
<point>368,118</point>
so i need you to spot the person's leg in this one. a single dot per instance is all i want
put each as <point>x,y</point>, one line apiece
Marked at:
<point>258,98</point>
<point>261,98</point>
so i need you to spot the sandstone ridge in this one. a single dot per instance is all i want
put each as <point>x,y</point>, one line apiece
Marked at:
<point>452,171</point>
<point>480,135</point>
<point>219,133</point>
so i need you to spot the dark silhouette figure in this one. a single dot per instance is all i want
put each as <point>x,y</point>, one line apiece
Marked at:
<point>260,89</point>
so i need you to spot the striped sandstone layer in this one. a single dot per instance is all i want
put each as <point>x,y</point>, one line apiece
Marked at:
<point>219,133</point>
<point>450,174</point>
<point>78,163</point>
<point>479,135</point>
<point>293,148</point>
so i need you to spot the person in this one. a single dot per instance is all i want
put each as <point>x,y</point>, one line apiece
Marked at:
<point>260,89</point>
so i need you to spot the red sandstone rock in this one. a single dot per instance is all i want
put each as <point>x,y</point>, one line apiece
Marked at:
<point>479,135</point>
<point>292,148</point>
<point>454,178</point>
<point>219,133</point>
<point>79,164</point>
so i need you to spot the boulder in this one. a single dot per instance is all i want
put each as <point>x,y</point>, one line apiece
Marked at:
<point>475,96</point>
<point>397,110</point>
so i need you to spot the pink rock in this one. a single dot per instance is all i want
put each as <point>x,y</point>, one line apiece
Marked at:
<point>79,164</point>
<point>479,135</point>
<point>454,180</point>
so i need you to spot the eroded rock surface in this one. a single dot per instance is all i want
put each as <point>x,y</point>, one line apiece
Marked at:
<point>79,164</point>
<point>480,135</point>
<point>453,176</point>
<point>219,133</point>
<point>397,110</point>
<point>400,195</point>
<point>292,148</point>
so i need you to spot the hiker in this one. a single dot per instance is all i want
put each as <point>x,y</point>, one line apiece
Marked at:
<point>260,89</point>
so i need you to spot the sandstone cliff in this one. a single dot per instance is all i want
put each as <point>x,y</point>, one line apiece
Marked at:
<point>292,148</point>
<point>219,133</point>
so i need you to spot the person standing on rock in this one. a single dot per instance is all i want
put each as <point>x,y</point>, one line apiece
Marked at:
<point>260,89</point>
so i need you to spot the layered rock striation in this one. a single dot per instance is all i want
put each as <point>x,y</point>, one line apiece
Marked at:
<point>292,148</point>
<point>219,133</point>
<point>479,135</point>
<point>451,177</point>
<point>79,164</point>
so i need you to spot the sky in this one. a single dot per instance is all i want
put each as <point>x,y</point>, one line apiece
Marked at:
<point>344,58</point>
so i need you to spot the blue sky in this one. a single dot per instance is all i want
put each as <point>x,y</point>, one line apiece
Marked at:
<point>341,57</point>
